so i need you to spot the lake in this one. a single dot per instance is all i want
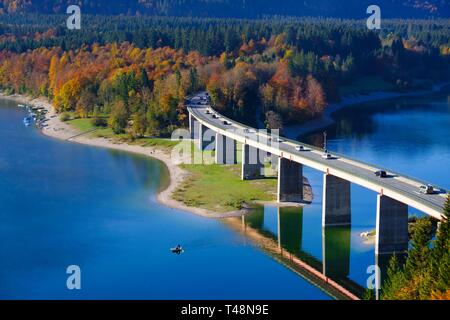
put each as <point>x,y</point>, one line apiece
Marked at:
<point>65,204</point>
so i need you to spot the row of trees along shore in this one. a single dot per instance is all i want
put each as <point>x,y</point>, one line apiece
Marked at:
<point>137,71</point>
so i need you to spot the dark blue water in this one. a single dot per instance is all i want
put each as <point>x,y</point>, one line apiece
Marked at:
<point>65,204</point>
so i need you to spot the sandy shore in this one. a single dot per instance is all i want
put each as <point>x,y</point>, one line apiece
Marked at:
<point>55,128</point>
<point>294,131</point>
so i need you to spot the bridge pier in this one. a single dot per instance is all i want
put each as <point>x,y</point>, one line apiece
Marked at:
<point>194,127</point>
<point>274,162</point>
<point>391,227</point>
<point>225,150</point>
<point>205,137</point>
<point>252,163</point>
<point>290,181</point>
<point>336,209</point>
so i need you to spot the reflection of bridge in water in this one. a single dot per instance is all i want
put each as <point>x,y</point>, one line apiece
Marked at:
<point>285,245</point>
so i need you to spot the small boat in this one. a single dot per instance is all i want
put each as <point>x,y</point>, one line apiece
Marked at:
<point>21,106</point>
<point>177,250</point>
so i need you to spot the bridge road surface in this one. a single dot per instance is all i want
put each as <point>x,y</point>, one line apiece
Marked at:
<point>396,186</point>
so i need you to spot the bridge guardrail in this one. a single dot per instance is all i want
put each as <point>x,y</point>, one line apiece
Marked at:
<point>415,179</point>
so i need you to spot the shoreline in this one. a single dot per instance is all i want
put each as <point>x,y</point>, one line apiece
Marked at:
<point>326,119</point>
<point>57,129</point>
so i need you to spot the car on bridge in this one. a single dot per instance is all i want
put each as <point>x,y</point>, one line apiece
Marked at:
<point>426,189</point>
<point>381,174</point>
<point>300,148</point>
<point>327,156</point>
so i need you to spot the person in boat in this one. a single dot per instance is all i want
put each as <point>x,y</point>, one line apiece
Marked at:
<point>178,249</point>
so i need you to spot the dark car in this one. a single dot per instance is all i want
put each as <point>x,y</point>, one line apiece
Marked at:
<point>381,174</point>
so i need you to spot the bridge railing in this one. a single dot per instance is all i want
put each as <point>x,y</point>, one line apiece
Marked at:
<point>371,165</point>
<point>339,155</point>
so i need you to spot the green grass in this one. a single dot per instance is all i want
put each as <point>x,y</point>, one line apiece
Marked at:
<point>365,85</point>
<point>221,189</point>
<point>85,125</point>
<point>82,124</point>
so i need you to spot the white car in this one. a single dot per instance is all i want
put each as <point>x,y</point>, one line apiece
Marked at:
<point>327,156</point>
<point>426,189</point>
<point>300,148</point>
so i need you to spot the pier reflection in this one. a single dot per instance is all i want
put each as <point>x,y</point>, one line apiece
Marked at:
<point>336,251</point>
<point>279,232</point>
<point>290,228</point>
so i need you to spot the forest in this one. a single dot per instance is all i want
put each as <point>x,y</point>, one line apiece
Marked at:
<point>355,9</point>
<point>137,71</point>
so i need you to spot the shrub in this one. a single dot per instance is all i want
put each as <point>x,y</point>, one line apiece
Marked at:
<point>99,122</point>
<point>64,117</point>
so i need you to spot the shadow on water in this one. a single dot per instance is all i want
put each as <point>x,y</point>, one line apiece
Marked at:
<point>151,173</point>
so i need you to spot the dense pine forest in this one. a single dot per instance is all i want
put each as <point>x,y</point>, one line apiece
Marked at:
<point>236,8</point>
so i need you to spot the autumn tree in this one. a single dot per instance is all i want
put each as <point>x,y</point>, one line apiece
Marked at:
<point>86,103</point>
<point>139,127</point>
<point>118,119</point>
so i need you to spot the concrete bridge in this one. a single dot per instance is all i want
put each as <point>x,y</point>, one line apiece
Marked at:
<point>395,192</point>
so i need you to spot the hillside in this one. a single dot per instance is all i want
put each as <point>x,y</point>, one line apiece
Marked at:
<point>237,8</point>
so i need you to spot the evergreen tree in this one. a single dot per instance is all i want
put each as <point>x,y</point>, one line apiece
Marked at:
<point>395,280</point>
<point>440,257</point>
<point>144,81</point>
<point>419,254</point>
<point>193,81</point>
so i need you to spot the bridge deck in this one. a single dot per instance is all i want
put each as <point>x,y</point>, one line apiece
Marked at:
<point>396,186</point>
